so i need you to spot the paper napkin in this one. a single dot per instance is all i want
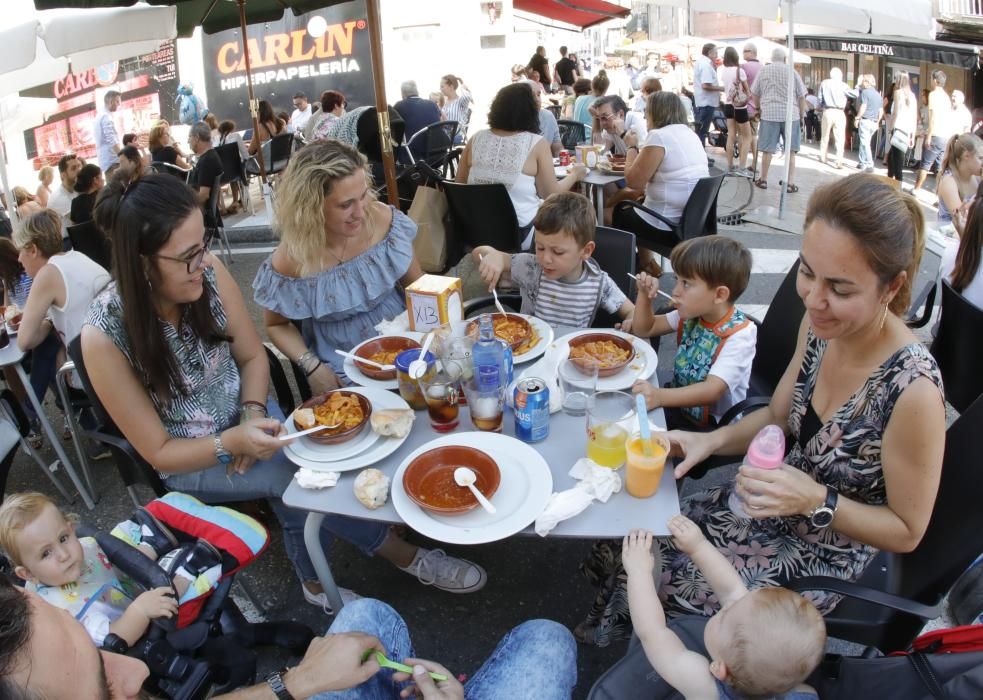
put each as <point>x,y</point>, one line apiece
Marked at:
<point>399,324</point>
<point>594,483</point>
<point>310,479</point>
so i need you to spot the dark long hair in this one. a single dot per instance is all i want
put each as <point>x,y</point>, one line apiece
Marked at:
<point>10,267</point>
<point>970,246</point>
<point>140,219</point>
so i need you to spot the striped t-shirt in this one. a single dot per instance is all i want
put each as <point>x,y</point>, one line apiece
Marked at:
<point>562,303</point>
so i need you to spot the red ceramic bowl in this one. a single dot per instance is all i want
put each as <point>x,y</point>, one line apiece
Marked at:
<point>524,335</point>
<point>337,436</point>
<point>608,370</point>
<point>429,479</point>
<point>386,343</point>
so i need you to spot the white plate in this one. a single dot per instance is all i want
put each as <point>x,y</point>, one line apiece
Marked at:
<point>355,374</point>
<point>325,457</point>
<point>525,488</point>
<point>642,367</point>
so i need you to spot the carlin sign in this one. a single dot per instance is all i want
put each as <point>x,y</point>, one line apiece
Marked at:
<point>285,60</point>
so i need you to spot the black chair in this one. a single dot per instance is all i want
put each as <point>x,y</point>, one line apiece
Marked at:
<point>571,133</point>
<point>276,155</point>
<point>480,215</point>
<point>898,593</point>
<point>233,170</point>
<point>438,140</point>
<point>699,216</point>
<point>213,218</point>
<point>957,348</point>
<point>171,169</point>
<point>89,240</point>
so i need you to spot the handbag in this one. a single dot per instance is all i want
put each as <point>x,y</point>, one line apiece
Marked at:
<point>738,98</point>
<point>899,140</point>
<point>428,210</point>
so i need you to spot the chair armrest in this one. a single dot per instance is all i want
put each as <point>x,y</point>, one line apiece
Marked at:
<point>638,205</point>
<point>865,593</point>
<point>748,405</point>
<point>509,300</point>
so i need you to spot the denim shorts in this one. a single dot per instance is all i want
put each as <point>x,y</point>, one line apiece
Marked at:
<point>769,132</point>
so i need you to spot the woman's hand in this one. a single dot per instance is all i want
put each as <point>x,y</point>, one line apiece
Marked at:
<point>692,447</point>
<point>425,686</point>
<point>323,380</point>
<point>255,439</point>
<point>778,493</point>
<point>578,172</point>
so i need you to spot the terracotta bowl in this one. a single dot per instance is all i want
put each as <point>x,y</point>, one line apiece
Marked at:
<point>337,436</point>
<point>14,323</point>
<point>386,343</point>
<point>622,343</point>
<point>526,334</point>
<point>429,479</point>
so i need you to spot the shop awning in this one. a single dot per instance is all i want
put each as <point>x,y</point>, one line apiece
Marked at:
<point>580,13</point>
<point>943,52</point>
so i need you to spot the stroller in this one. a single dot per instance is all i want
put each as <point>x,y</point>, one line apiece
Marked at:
<point>207,648</point>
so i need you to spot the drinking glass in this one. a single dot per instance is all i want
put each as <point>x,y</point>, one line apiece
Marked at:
<point>487,407</point>
<point>643,472</point>
<point>578,384</point>
<point>440,392</point>
<point>610,415</point>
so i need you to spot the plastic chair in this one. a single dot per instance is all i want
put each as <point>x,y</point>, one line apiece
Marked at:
<point>898,593</point>
<point>171,169</point>
<point>571,133</point>
<point>480,215</point>
<point>233,170</point>
<point>957,348</point>
<point>276,155</point>
<point>212,217</point>
<point>699,215</point>
<point>89,240</point>
<point>438,140</point>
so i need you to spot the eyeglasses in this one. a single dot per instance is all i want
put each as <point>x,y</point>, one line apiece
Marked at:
<point>193,260</point>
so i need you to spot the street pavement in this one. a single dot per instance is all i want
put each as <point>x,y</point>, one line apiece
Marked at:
<point>529,577</point>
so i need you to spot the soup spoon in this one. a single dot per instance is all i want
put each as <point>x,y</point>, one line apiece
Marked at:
<point>364,360</point>
<point>418,367</point>
<point>466,477</point>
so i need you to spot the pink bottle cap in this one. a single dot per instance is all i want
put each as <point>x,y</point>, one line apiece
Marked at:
<point>767,450</point>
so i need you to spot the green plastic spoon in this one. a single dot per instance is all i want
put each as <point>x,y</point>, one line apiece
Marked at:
<point>396,666</point>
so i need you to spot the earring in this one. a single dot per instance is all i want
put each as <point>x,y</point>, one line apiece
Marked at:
<point>883,319</point>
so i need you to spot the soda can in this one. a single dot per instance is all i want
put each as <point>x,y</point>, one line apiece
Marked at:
<point>564,158</point>
<point>532,410</point>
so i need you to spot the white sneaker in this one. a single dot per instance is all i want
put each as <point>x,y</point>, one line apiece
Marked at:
<point>321,599</point>
<point>434,568</point>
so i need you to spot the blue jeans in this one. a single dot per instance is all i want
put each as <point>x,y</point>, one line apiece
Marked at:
<point>537,659</point>
<point>703,117</point>
<point>269,479</point>
<point>44,366</point>
<point>864,132</point>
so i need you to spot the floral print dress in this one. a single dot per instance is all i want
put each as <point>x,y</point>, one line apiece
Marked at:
<point>844,453</point>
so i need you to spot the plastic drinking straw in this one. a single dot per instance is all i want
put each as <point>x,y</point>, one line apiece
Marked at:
<point>643,424</point>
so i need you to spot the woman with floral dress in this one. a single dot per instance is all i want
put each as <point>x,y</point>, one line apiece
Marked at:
<point>861,402</point>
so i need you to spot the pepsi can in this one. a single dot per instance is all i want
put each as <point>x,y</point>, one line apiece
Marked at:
<point>532,410</point>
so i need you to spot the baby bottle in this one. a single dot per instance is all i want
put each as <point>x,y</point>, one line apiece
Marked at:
<point>767,451</point>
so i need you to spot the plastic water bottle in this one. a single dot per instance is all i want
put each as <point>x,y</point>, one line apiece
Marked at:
<point>767,451</point>
<point>488,357</point>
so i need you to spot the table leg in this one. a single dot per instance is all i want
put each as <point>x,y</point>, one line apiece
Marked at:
<point>53,438</point>
<point>312,538</point>
<point>599,196</point>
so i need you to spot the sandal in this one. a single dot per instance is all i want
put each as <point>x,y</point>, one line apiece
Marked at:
<point>791,189</point>
<point>761,184</point>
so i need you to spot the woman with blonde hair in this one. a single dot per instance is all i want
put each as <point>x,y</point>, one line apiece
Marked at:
<point>902,124</point>
<point>46,176</point>
<point>342,262</point>
<point>25,202</point>
<point>960,177</point>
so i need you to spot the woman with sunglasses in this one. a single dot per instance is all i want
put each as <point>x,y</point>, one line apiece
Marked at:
<point>176,361</point>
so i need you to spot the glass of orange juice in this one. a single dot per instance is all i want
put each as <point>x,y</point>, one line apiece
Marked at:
<point>644,471</point>
<point>610,416</point>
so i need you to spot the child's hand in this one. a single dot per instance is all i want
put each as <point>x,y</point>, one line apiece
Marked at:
<point>686,534</point>
<point>636,553</point>
<point>157,602</point>
<point>491,267</point>
<point>647,285</point>
<point>625,325</point>
<point>650,392</point>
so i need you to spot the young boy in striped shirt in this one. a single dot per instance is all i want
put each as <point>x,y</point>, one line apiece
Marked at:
<point>561,283</point>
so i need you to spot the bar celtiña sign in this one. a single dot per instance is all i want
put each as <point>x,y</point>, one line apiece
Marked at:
<point>285,59</point>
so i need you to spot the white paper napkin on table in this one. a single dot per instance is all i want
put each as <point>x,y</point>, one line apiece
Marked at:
<point>594,483</point>
<point>310,479</point>
<point>399,324</point>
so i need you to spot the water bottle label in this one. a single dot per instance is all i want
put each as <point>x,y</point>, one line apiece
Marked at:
<point>488,377</point>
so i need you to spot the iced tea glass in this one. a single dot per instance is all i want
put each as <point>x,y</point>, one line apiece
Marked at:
<point>440,392</point>
<point>487,408</point>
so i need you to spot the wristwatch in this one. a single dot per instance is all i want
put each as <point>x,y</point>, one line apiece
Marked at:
<point>222,454</point>
<point>275,681</point>
<point>822,515</point>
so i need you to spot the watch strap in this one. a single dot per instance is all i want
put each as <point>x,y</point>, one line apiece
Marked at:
<point>832,496</point>
<point>275,681</point>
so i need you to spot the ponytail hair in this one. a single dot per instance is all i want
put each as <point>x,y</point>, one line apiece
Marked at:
<point>970,246</point>
<point>957,147</point>
<point>887,224</point>
<point>139,218</point>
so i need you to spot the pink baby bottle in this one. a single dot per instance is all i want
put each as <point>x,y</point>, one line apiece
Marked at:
<point>767,451</point>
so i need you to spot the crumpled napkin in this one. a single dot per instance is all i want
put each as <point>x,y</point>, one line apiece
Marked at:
<point>399,324</point>
<point>310,479</point>
<point>594,482</point>
<point>546,368</point>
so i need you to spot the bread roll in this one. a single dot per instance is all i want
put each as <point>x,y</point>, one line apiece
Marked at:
<point>392,422</point>
<point>304,418</point>
<point>371,488</point>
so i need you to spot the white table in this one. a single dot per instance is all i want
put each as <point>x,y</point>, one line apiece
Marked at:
<point>566,444</point>
<point>596,179</point>
<point>12,356</point>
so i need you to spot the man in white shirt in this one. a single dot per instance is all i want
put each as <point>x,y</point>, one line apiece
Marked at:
<point>61,198</point>
<point>940,128</point>
<point>706,91</point>
<point>301,114</point>
<point>107,139</point>
<point>619,127</point>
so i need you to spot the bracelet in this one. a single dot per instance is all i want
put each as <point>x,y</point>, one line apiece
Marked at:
<point>316,368</point>
<point>248,406</point>
<point>309,362</point>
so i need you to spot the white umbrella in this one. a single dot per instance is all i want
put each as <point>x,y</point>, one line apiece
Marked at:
<point>766,46</point>
<point>912,18</point>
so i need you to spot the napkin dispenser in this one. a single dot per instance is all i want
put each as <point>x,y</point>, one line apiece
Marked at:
<point>434,300</point>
